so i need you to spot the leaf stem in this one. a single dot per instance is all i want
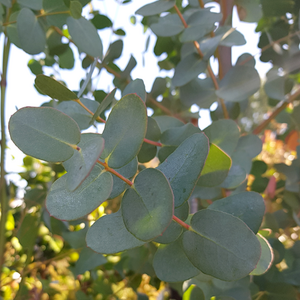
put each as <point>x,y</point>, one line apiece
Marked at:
<point>158,144</point>
<point>181,223</point>
<point>89,111</point>
<point>211,73</point>
<point>275,113</point>
<point>4,198</point>
<point>107,168</point>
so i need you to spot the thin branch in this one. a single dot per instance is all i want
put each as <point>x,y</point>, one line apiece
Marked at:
<point>158,144</point>
<point>107,168</point>
<point>275,113</point>
<point>181,223</point>
<point>211,73</point>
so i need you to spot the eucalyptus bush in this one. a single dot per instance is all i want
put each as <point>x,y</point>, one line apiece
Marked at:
<point>201,210</point>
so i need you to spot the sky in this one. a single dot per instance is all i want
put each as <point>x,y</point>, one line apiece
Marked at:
<point>21,92</point>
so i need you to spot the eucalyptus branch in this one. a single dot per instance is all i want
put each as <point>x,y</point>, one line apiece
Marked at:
<point>211,73</point>
<point>276,112</point>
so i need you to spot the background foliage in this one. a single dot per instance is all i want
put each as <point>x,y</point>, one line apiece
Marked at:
<point>153,207</point>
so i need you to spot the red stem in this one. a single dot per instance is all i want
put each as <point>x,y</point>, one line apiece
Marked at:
<point>158,144</point>
<point>107,168</point>
<point>181,223</point>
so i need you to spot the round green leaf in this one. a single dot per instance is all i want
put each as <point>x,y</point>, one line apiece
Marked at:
<point>167,26</point>
<point>75,9</point>
<point>136,86</point>
<point>82,162</point>
<point>221,245</point>
<point>216,167</point>
<point>188,68</point>
<point>175,136</point>
<point>147,207</point>
<point>31,34</point>
<point>155,8</point>
<point>109,235</point>
<point>266,258</point>
<point>240,82</point>
<point>223,133</point>
<point>235,177</point>
<point>101,21</point>
<point>183,167</point>
<point>167,122</point>
<point>44,133</point>
<point>66,205</point>
<point>198,91</point>
<point>124,131</point>
<point>85,36</point>
<point>171,264</point>
<point>53,88</point>
<point>247,206</point>
<point>249,144</point>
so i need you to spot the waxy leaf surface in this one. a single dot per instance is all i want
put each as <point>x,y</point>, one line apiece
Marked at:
<point>184,165</point>
<point>188,68</point>
<point>80,165</point>
<point>124,131</point>
<point>216,167</point>
<point>223,133</point>
<point>136,86</point>
<point>171,264</point>
<point>53,88</point>
<point>167,26</point>
<point>85,36</point>
<point>155,8</point>
<point>147,207</point>
<point>66,205</point>
<point>266,258</point>
<point>109,235</point>
<point>236,176</point>
<point>239,83</point>
<point>247,206</point>
<point>44,133</point>
<point>33,4</point>
<point>31,34</point>
<point>222,245</point>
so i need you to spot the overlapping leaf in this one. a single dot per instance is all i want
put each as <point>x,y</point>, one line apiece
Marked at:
<point>31,34</point>
<point>223,133</point>
<point>109,235</point>
<point>266,258</point>
<point>155,8</point>
<point>44,133</point>
<point>171,263</point>
<point>53,88</point>
<point>85,36</point>
<point>80,165</point>
<point>247,206</point>
<point>167,26</point>
<point>221,245</point>
<point>66,205</point>
<point>147,207</point>
<point>216,167</point>
<point>184,165</point>
<point>239,83</point>
<point>124,131</point>
<point>136,86</point>
<point>188,68</point>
